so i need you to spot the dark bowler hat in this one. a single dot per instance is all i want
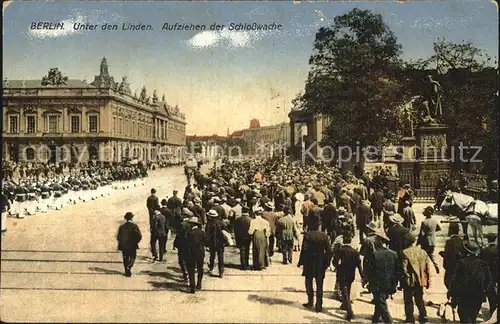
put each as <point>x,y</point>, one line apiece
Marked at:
<point>163,202</point>
<point>129,216</point>
<point>429,210</point>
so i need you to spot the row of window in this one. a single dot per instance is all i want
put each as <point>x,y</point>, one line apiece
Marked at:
<point>52,124</point>
<point>131,128</point>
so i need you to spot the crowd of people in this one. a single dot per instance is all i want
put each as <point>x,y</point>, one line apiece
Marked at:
<point>271,206</point>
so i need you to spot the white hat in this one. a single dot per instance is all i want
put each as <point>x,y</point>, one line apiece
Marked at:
<point>212,213</point>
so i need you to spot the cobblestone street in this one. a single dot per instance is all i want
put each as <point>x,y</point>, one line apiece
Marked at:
<point>63,266</point>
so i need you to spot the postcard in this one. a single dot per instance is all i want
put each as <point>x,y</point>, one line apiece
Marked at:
<point>249,161</point>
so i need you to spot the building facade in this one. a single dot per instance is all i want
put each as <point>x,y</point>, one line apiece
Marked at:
<point>60,120</point>
<point>265,140</point>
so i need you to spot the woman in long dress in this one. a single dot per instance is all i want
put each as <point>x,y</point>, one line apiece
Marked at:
<point>298,219</point>
<point>260,231</point>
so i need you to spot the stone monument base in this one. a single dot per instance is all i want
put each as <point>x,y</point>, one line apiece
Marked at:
<point>432,154</point>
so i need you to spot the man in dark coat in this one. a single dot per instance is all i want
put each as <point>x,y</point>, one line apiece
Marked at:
<point>199,211</point>
<point>363,217</point>
<point>158,234</point>
<point>346,261</point>
<point>396,233</point>
<point>169,218</point>
<point>152,203</point>
<point>329,218</point>
<point>470,284</point>
<point>215,241</point>
<point>383,276</point>
<point>174,203</point>
<point>388,209</point>
<point>242,238</point>
<point>315,257</point>
<point>128,238</point>
<point>377,201</point>
<point>452,253</point>
<point>489,254</point>
<point>195,253</point>
<point>180,243</point>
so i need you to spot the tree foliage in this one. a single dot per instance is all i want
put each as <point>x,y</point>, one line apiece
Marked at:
<point>354,78</point>
<point>452,56</point>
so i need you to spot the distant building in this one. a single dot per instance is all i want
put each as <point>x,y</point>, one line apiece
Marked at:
<point>59,120</point>
<point>265,140</point>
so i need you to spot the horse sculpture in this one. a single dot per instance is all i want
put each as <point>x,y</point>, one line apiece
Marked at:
<point>470,211</point>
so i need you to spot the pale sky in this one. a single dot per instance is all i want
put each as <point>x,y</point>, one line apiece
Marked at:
<point>219,79</point>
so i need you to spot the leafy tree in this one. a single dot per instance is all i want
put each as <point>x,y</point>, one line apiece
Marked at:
<point>449,55</point>
<point>54,78</point>
<point>354,78</point>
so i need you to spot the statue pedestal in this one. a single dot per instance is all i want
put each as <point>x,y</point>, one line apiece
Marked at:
<point>432,154</point>
<point>407,164</point>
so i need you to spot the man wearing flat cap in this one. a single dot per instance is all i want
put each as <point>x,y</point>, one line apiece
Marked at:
<point>129,236</point>
<point>470,283</point>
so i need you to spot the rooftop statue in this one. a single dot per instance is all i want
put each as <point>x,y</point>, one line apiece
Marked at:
<point>155,97</point>
<point>142,96</point>
<point>54,78</point>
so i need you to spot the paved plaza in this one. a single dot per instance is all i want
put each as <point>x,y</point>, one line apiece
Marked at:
<point>63,266</point>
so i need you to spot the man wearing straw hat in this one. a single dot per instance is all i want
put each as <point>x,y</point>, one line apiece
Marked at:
<point>195,253</point>
<point>215,241</point>
<point>128,238</point>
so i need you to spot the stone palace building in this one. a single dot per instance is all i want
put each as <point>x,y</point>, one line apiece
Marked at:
<point>61,120</point>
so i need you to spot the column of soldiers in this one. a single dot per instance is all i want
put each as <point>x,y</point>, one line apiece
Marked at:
<point>269,206</point>
<point>30,192</point>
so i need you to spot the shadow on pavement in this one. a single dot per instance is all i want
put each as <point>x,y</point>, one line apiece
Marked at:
<point>177,286</point>
<point>271,301</point>
<point>161,274</point>
<point>106,271</point>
